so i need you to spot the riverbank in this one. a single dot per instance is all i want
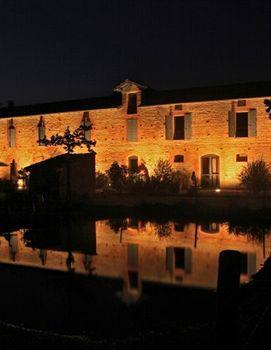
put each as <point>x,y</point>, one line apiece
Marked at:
<point>230,206</point>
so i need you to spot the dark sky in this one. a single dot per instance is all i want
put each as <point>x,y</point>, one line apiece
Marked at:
<point>54,49</point>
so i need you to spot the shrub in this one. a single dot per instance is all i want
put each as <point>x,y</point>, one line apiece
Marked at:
<point>6,186</point>
<point>136,183</point>
<point>117,176</point>
<point>162,230</point>
<point>163,171</point>
<point>101,181</point>
<point>256,176</point>
<point>165,179</point>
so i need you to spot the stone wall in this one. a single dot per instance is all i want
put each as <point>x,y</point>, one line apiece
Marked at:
<point>209,136</point>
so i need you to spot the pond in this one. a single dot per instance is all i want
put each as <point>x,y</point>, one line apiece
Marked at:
<point>119,276</point>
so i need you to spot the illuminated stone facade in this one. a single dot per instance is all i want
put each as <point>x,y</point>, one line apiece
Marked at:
<point>209,133</point>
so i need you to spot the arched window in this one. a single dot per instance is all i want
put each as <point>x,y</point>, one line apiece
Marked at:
<point>11,134</point>
<point>133,164</point>
<point>179,158</point>
<point>41,131</point>
<point>86,126</point>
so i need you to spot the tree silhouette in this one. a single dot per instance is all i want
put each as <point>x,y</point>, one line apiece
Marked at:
<point>70,140</point>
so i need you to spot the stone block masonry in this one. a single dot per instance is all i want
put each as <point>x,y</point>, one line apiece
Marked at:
<point>209,134</point>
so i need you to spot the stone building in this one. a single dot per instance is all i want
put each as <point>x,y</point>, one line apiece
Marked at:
<point>213,131</point>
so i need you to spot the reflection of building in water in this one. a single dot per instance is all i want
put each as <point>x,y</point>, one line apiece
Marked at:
<point>13,246</point>
<point>174,253</point>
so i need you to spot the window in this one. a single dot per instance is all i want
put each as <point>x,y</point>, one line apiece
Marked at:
<point>86,126</point>
<point>241,158</point>
<point>178,107</point>
<point>133,164</point>
<point>133,222</point>
<point>179,158</point>
<point>41,131</point>
<point>11,134</point>
<point>178,128</point>
<point>241,103</point>
<point>133,279</point>
<point>131,127</point>
<point>179,258</point>
<point>241,124</point>
<point>132,255</point>
<point>132,103</point>
<point>210,227</point>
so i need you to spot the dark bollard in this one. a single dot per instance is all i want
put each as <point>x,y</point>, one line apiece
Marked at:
<point>228,288</point>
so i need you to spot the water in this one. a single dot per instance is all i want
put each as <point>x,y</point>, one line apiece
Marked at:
<point>123,272</point>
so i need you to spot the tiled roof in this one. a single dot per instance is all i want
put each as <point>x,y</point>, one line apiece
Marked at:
<point>149,97</point>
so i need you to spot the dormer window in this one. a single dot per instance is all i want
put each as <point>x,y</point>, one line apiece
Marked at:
<point>132,103</point>
<point>131,95</point>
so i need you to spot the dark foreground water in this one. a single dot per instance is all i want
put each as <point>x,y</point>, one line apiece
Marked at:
<point>119,277</point>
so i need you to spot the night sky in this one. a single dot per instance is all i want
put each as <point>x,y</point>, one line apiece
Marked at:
<point>56,50</point>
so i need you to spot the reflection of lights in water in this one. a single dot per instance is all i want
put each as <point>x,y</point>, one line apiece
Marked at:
<point>218,190</point>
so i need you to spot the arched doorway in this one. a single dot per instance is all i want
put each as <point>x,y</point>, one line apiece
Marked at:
<point>210,171</point>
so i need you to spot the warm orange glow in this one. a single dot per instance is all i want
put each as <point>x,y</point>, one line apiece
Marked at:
<point>209,135</point>
<point>20,184</point>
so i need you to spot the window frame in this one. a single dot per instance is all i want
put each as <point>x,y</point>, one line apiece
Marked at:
<point>132,109</point>
<point>247,124</point>
<point>135,139</point>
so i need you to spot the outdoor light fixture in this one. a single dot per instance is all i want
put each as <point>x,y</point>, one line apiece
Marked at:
<point>218,190</point>
<point>20,184</point>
